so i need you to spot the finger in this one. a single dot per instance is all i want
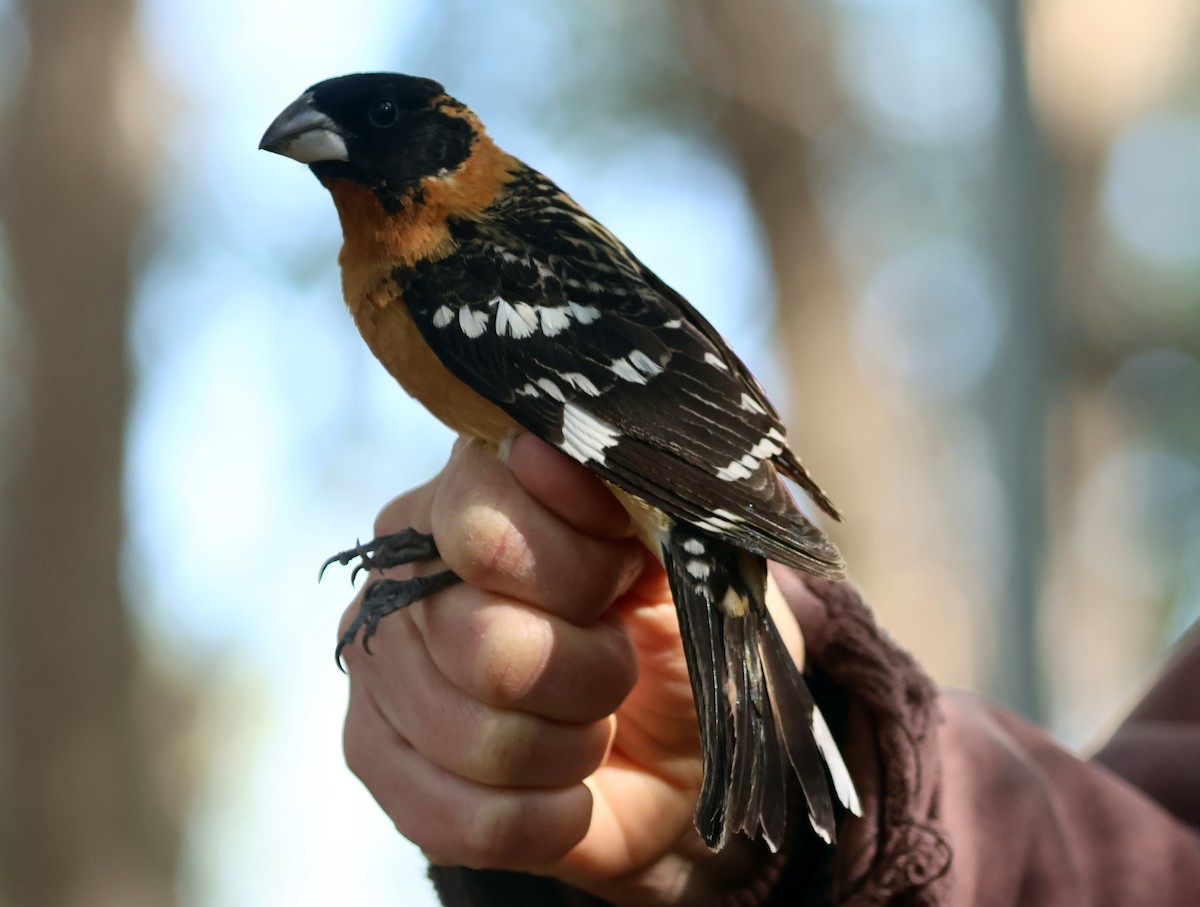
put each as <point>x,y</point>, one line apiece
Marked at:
<point>462,735</point>
<point>408,510</point>
<point>496,536</point>
<point>453,819</point>
<point>511,656</point>
<point>568,489</point>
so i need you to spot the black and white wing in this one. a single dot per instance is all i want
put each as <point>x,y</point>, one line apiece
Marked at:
<point>560,326</point>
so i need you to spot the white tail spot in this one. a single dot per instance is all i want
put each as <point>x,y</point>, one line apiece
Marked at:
<point>843,784</point>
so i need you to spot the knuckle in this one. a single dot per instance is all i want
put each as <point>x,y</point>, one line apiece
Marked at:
<point>501,748</point>
<point>484,543</point>
<point>514,651</point>
<point>492,836</point>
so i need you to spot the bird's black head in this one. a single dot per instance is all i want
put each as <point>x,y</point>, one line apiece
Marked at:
<point>383,130</point>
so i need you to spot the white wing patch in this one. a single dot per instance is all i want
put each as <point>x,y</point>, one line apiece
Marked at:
<point>551,389</point>
<point>520,319</point>
<point>745,466</point>
<point>720,520</point>
<point>624,369</point>
<point>636,367</point>
<point>555,319</point>
<point>584,314</point>
<point>737,470</point>
<point>586,437</point>
<point>751,405</point>
<point>715,361</point>
<point>644,364</point>
<point>473,323</point>
<point>581,382</point>
<point>767,447</point>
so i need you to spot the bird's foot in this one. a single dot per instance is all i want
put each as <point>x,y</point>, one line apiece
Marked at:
<point>385,551</point>
<point>385,596</point>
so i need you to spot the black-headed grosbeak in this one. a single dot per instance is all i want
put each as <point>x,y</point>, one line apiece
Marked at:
<point>497,302</point>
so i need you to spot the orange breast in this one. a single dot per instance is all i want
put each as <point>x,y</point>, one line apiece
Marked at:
<point>376,243</point>
<point>386,325</point>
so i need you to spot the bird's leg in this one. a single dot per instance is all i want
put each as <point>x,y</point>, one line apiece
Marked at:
<point>383,597</point>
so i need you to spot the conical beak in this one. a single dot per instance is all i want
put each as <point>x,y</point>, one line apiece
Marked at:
<point>305,134</point>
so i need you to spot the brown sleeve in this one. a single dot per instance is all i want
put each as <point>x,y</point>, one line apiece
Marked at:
<point>1078,834</point>
<point>968,804</point>
<point>1157,747</point>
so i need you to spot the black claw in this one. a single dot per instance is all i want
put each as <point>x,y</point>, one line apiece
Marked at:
<point>382,598</point>
<point>343,558</point>
<point>384,551</point>
<point>325,566</point>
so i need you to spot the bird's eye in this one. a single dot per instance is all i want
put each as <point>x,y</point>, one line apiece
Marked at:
<point>383,114</point>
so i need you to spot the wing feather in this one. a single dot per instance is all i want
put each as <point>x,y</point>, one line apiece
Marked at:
<point>566,329</point>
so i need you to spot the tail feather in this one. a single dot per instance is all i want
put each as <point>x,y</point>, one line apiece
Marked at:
<point>745,772</point>
<point>794,711</point>
<point>758,766</point>
<point>758,722</point>
<point>707,671</point>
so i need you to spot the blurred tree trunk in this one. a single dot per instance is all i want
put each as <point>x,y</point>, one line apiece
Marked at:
<point>770,69</point>
<point>81,821</point>
<point>1022,386</point>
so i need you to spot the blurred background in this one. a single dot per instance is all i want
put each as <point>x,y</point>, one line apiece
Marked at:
<point>959,240</point>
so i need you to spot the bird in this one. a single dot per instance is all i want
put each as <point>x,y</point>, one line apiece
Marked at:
<point>501,305</point>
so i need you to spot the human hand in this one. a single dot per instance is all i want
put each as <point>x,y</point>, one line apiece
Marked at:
<point>538,716</point>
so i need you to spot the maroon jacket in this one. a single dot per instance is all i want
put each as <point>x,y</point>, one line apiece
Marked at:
<point>964,803</point>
